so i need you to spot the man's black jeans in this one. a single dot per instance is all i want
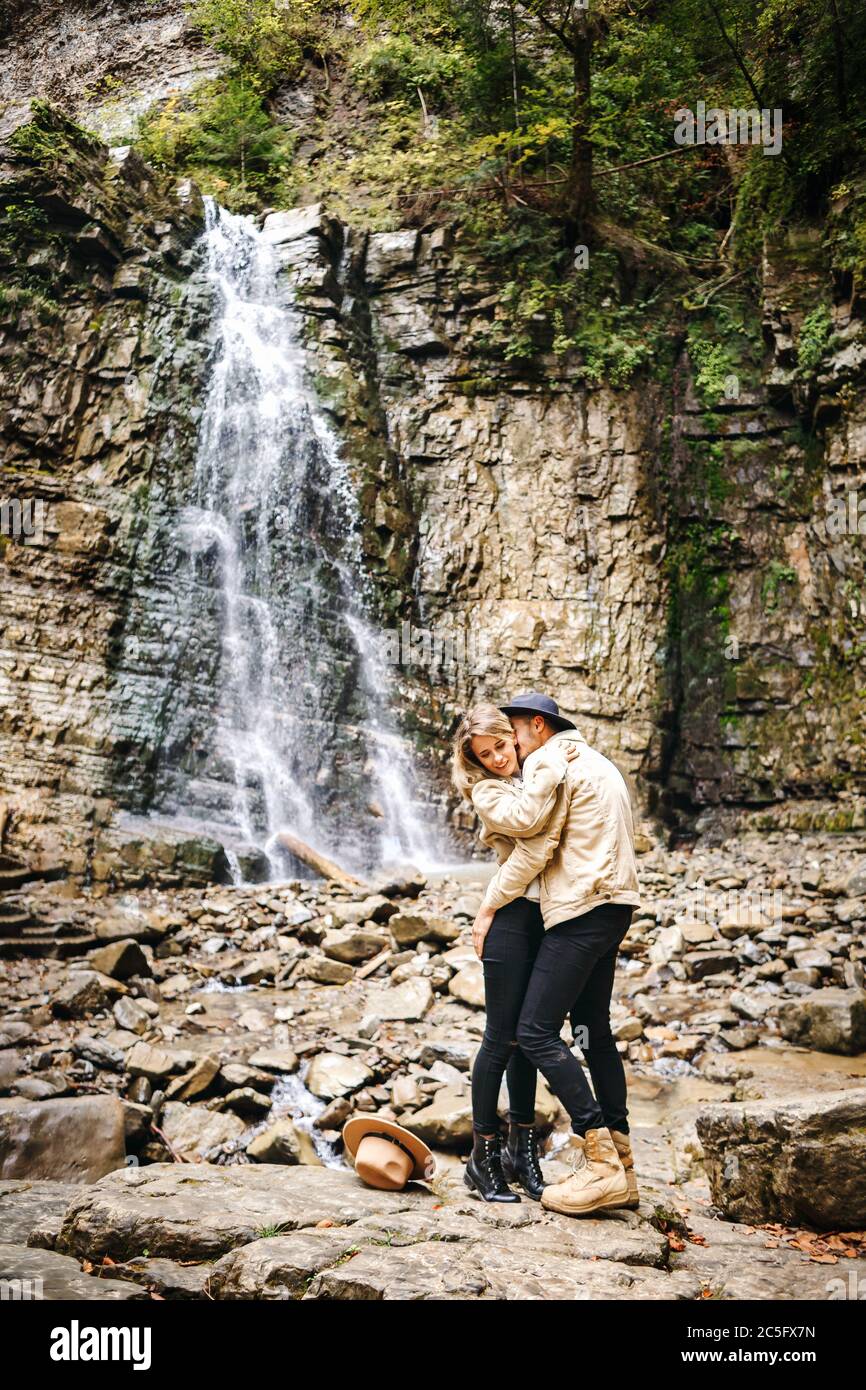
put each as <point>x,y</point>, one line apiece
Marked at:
<point>573,973</point>
<point>508,955</point>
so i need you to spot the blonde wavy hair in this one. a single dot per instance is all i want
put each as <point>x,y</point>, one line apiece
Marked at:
<point>479,720</point>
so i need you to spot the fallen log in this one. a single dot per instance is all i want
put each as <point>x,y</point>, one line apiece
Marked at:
<point>369,966</point>
<point>325,868</point>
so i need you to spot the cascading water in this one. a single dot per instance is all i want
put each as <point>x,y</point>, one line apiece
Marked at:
<point>299,727</point>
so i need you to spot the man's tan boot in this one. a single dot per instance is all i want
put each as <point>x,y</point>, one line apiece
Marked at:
<point>598,1179</point>
<point>622,1143</point>
<point>574,1157</point>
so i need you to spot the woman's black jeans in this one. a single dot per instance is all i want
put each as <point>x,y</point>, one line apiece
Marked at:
<point>508,955</point>
<point>573,974</point>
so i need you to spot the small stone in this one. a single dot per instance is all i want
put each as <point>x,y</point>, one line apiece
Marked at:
<point>283,1142</point>
<point>120,959</point>
<point>324,971</point>
<point>196,1082</point>
<point>152,1062</point>
<point>331,1074</point>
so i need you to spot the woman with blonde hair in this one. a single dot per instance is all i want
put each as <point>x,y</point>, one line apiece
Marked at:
<point>484,754</point>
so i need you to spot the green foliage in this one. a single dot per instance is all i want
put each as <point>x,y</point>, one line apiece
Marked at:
<point>713,366</point>
<point>396,65</point>
<point>47,141</point>
<point>776,575</point>
<point>224,138</point>
<point>28,274</point>
<point>463,111</point>
<point>816,337</point>
<point>265,39</point>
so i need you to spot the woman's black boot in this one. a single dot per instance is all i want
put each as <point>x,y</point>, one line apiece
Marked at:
<point>483,1172</point>
<point>520,1160</point>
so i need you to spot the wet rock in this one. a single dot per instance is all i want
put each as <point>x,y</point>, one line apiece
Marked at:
<point>263,966</point>
<point>335,1115</point>
<point>250,1104</point>
<point>275,1059</point>
<point>235,1074</point>
<point>828,1020</point>
<point>76,1139</point>
<point>283,1142</point>
<point>751,1006</point>
<point>407,884</point>
<point>800,1161</point>
<point>331,1075</point>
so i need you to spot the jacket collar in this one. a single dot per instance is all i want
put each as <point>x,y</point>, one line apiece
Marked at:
<point>573,734</point>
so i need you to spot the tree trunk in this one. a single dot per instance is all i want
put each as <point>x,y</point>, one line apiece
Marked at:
<point>580,192</point>
<point>326,868</point>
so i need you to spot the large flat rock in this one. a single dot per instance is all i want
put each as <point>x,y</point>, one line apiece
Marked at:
<point>43,1274</point>
<point>34,1208</point>
<point>738,1262</point>
<point>437,1270</point>
<point>198,1211</point>
<point>518,1244</point>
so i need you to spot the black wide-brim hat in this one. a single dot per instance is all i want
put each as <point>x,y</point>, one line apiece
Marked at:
<point>533,702</point>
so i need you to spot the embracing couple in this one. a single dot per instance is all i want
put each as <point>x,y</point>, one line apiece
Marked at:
<point>558,817</point>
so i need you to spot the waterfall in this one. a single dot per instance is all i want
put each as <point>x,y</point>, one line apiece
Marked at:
<point>300,735</point>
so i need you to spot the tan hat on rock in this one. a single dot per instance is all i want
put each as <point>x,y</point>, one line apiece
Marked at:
<point>385,1154</point>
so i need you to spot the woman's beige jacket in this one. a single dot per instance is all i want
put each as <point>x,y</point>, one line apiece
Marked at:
<point>570,823</point>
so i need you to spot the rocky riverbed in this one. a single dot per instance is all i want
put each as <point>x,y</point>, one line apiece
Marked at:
<point>176,1066</point>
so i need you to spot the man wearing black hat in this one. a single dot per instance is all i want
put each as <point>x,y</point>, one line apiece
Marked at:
<point>588,889</point>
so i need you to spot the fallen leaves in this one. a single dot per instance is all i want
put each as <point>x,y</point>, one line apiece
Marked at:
<point>819,1247</point>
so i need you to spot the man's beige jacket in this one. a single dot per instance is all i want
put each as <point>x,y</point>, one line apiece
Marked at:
<point>570,823</point>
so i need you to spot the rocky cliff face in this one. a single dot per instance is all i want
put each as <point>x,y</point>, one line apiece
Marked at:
<point>662,563</point>
<point>96,381</point>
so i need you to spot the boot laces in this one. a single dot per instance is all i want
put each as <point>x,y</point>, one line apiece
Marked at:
<point>532,1153</point>
<point>578,1158</point>
<point>492,1161</point>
